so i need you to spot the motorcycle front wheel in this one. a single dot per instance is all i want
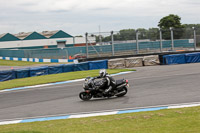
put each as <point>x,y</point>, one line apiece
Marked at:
<point>85,96</point>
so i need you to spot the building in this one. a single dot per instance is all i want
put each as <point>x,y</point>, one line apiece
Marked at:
<point>45,39</point>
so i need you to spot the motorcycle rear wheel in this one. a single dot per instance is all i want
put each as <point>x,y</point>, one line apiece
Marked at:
<point>124,93</point>
<point>85,96</point>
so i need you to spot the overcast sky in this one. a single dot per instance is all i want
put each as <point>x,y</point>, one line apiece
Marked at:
<point>79,16</point>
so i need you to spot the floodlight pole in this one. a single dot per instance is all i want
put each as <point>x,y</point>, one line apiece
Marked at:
<point>172,38</point>
<point>112,42</point>
<point>86,37</point>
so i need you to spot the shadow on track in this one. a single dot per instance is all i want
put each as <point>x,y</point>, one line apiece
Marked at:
<point>103,99</point>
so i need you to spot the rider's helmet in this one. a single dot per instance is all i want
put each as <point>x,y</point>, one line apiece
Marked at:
<point>102,73</point>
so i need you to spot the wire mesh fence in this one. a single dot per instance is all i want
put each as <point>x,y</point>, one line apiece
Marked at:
<point>142,41</point>
<point>197,37</point>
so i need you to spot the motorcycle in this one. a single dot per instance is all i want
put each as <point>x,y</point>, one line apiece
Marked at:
<point>91,89</point>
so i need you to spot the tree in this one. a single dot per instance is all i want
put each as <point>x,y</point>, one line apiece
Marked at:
<point>127,34</point>
<point>189,33</point>
<point>173,21</point>
<point>153,34</point>
<point>170,21</point>
<point>143,33</point>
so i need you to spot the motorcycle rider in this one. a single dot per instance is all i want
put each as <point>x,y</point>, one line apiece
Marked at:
<point>107,81</point>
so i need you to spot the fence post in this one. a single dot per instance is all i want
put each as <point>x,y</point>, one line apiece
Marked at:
<point>112,42</point>
<point>137,45</point>
<point>86,37</point>
<point>161,44</point>
<point>172,38</point>
<point>195,39</point>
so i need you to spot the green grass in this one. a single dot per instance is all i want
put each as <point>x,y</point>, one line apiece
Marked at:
<point>54,78</point>
<point>20,63</point>
<point>185,120</point>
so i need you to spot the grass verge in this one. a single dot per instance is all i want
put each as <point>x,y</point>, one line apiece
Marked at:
<point>54,78</point>
<point>20,63</point>
<point>164,121</point>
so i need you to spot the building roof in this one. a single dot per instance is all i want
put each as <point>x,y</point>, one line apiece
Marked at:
<point>22,35</point>
<point>34,35</point>
<point>1,35</point>
<point>8,37</point>
<point>55,34</point>
<point>48,34</point>
<point>61,34</point>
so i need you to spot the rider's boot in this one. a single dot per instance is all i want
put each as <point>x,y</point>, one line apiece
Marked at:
<point>108,90</point>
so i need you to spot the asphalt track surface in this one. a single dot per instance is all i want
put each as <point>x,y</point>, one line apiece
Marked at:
<point>149,86</point>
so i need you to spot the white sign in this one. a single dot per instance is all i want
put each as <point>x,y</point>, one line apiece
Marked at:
<point>191,40</point>
<point>76,61</point>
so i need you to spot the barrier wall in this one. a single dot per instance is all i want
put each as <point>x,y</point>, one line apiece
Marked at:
<point>134,62</point>
<point>38,71</point>
<point>7,75</point>
<point>55,69</point>
<point>68,68</point>
<point>181,58</point>
<point>22,73</point>
<point>174,59</point>
<point>81,66</point>
<point>192,57</point>
<point>116,63</point>
<point>151,60</point>
<point>45,70</point>
<point>102,64</point>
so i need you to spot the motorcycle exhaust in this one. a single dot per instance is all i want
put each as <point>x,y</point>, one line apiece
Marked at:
<point>120,93</point>
<point>121,85</point>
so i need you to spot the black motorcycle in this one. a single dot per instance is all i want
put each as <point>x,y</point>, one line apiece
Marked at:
<point>91,89</point>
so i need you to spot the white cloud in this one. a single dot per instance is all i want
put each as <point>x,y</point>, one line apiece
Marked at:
<point>79,16</point>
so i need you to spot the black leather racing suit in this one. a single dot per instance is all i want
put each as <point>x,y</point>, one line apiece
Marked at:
<point>107,83</point>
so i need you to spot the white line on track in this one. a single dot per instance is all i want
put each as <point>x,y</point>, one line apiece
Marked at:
<point>170,106</point>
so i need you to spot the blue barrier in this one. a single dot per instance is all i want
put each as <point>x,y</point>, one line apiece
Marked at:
<point>174,59</point>
<point>7,75</point>
<point>38,71</point>
<point>81,66</point>
<point>22,73</point>
<point>55,69</point>
<point>192,57</point>
<point>101,64</point>
<point>68,67</point>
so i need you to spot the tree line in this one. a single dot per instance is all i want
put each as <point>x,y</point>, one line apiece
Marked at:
<point>180,31</point>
